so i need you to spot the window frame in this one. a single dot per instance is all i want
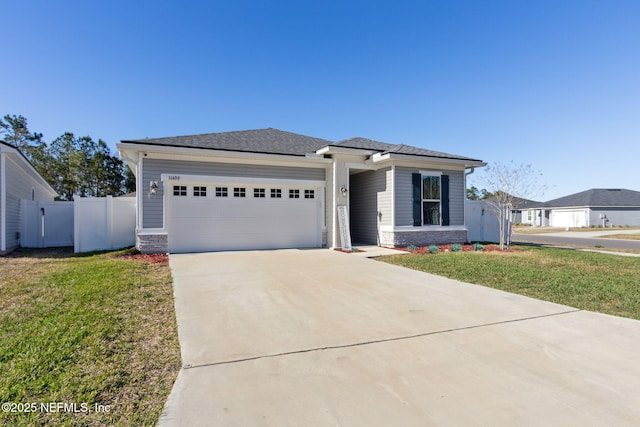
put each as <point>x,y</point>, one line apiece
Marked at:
<point>294,193</point>
<point>180,191</point>
<point>424,201</point>
<point>276,193</point>
<point>221,191</point>
<point>259,193</point>
<point>239,192</point>
<point>199,191</point>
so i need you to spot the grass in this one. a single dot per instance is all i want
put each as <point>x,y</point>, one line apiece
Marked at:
<point>97,329</point>
<point>589,281</point>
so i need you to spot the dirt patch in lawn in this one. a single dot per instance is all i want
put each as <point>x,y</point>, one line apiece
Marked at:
<point>148,258</point>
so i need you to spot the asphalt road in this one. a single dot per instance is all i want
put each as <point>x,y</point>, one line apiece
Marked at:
<point>589,242</point>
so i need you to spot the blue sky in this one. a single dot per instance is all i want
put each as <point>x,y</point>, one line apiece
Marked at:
<point>552,83</point>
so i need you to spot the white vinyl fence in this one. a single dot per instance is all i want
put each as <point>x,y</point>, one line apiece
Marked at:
<point>104,223</point>
<point>46,224</point>
<point>87,224</point>
<point>482,223</point>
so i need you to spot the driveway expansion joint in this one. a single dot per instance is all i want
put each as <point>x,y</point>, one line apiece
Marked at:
<point>358,344</point>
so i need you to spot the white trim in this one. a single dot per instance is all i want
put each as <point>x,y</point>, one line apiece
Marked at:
<point>229,180</point>
<point>139,195</point>
<point>393,196</point>
<point>152,231</point>
<point>430,173</point>
<point>334,208</point>
<point>360,166</point>
<point>3,202</point>
<point>333,149</point>
<point>219,156</point>
<point>379,158</point>
<point>410,228</point>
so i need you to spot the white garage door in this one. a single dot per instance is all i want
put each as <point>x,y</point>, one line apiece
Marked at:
<point>217,216</point>
<point>569,218</point>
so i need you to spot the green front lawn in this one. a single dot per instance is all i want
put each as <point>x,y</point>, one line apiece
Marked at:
<point>590,281</point>
<point>85,331</point>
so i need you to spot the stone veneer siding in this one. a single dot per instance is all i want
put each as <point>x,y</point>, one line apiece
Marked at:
<point>153,243</point>
<point>421,238</point>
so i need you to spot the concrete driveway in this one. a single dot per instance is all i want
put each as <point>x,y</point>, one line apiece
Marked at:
<point>318,337</point>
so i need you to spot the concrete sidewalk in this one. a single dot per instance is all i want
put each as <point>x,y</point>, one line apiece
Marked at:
<point>319,337</point>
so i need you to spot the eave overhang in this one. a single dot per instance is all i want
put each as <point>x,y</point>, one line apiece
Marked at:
<point>380,158</point>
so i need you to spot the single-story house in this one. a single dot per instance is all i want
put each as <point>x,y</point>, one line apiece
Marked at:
<point>267,189</point>
<point>596,207</point>
<point>18,180</point>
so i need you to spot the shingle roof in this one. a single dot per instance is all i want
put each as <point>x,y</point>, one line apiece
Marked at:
<point>274,141</point>
<point>596,197</point>
<point>385,148</point>
<point>270,141</point>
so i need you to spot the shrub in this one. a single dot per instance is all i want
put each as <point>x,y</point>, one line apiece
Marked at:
<point>433,249</point>
<point>412,247</point>
<point>478,247</point>
<point>456,247</point>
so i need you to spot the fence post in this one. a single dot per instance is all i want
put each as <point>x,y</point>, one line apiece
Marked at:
<point>109,218</point>
<point>76,225</point>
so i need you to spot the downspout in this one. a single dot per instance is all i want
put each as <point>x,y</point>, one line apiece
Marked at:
<point>466,174</point>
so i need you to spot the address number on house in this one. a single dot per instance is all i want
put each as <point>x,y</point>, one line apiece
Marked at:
<point>174,177</point>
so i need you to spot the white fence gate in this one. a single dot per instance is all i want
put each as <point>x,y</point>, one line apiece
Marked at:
<point>104,223</point>
<point>482,223</point>
<point>46,224</point>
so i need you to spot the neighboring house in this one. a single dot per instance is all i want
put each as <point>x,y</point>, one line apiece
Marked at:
<point>596,207</point>
<point>521,205</point>
<point>18,180</point>
<point>266,188</point>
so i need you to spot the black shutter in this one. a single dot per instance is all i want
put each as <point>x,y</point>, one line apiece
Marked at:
<point>444,198</point>
<point>416,180</point>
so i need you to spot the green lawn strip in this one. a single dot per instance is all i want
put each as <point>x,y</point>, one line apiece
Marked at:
<point>96,330</point>
<point>621,236</point>
<point>590,281</point>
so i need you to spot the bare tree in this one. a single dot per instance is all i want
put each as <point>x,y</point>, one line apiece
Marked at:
<point>511,184</point>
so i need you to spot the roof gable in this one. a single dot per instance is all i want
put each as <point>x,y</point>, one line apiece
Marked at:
<point>25,164</point>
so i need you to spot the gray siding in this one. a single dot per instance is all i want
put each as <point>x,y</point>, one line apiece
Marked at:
<point>404,196</point>
<point>153,168</point>
<point>370,193</point>
<point>1,175</point>
<point>19,186</point>
<point>616,216</point>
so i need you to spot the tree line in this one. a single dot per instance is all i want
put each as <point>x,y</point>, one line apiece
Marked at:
<point>71,165</point>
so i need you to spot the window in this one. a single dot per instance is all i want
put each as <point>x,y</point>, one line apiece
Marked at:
<point>179,190</point>
<point>200,191</point>
<point>430,200</point>
<point>258,192</point>
<point>222,192</point>
<point>276,193</point>
<point>239,192</point>
<point>294,194</point>
<point>309,194</point>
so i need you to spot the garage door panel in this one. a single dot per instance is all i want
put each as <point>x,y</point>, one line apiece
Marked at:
<point>210,223</point>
